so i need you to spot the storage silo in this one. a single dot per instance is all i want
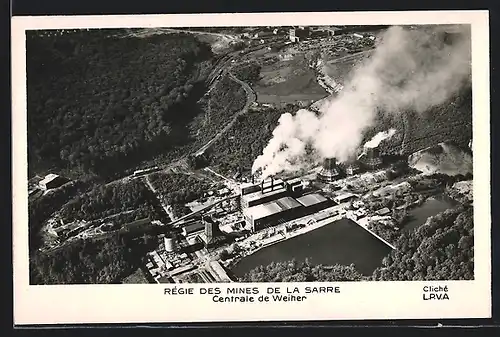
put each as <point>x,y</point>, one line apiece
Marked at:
<point>170,243</point>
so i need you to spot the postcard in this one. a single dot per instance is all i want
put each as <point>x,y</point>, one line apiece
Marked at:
<point>251,167</point>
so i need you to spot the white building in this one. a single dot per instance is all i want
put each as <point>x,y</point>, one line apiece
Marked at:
<point>50,181</point>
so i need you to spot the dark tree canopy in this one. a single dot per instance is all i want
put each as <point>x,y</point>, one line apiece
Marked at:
<point>99,101</point>
<point>102,201</point>
<point>440,249</point>
<point>246,139</point>
<point>89,262</point>
<point>295,271</point>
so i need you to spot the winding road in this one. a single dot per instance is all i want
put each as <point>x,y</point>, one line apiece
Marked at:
<point>251,97</point>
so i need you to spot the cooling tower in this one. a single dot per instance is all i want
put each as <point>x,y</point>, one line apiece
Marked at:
<point>329,171</point>
<point>372,157</point>
<point>170,244</point>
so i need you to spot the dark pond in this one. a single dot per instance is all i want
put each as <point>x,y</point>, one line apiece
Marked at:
<point>430,207</point>
<point>343,242</point>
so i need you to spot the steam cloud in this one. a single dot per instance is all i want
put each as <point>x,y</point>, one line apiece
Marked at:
<point>379,137</point>
<point>409,70</point>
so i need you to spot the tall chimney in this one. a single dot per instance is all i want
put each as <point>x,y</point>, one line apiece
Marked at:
<point>272,183</point>
<point>253,179</point>
<point>262,186</point>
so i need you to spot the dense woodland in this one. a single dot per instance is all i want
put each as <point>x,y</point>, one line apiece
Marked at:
<point>450,121</point>
<point>221,103</point>
<point>90,261</point>
<point>40,209</point>
<point>102,102</point>
<point>248,72</point>
<point>105,200</point>
<point>177,189</point>
<point>440,249</point>
<point>295,271</point>
<point>246,140</point>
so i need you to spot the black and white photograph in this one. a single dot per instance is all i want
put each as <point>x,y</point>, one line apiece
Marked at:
<point>234,157</point>
<point>258,154</point>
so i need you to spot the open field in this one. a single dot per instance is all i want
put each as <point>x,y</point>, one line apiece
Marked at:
<point>340,68</point>
<point>287,81</point>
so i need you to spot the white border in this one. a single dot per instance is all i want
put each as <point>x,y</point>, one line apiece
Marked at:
<point>146,303</point>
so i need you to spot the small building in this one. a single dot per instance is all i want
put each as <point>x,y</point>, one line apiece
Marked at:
<point>383,211</point>
<point>182,269</point>
<point>345,197</point>
<point>352,168</point>
<point>168,265</point>
<point>224,191</point>
<point>164,279</point>
<point>51,181</point>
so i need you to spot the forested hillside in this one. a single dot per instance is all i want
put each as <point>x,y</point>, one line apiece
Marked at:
<point>91,261</point>
<point>102,102</point>
<point>177,189</point>
<point>246,139</point>
<point>450,121</point>
<point>440,249</point>
<point>103,201</point>
<point>295,271</point>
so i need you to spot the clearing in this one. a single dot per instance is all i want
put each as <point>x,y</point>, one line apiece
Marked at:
<point>287,80</point>
<point>445,158</point>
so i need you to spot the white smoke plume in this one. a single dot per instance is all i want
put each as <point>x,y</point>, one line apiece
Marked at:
<point>379,137</point>
<point>409,70</point>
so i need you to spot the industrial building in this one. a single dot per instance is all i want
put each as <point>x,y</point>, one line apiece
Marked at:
<point>296,34</point>
<point>264,215</point>
<point>278,201</point>
<point>193,227</point>
<point>256,194</point>
<point>212,235</point>
<point>169,242</point>
<point>314,202</point>
<point>294,186</point>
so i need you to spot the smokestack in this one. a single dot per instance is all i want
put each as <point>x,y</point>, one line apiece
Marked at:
<point>262,186</point>
<point>253,179</point>
<point>272,183</point>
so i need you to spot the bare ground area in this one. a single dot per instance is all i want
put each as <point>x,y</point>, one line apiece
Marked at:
<point>288,81</point>
<point>136,277</point>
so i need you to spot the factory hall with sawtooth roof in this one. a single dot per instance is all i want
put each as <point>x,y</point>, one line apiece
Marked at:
<point>277,202</point>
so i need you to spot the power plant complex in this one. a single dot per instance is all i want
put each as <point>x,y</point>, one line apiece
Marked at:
<point>277,201</point>
<point>273,209</point>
